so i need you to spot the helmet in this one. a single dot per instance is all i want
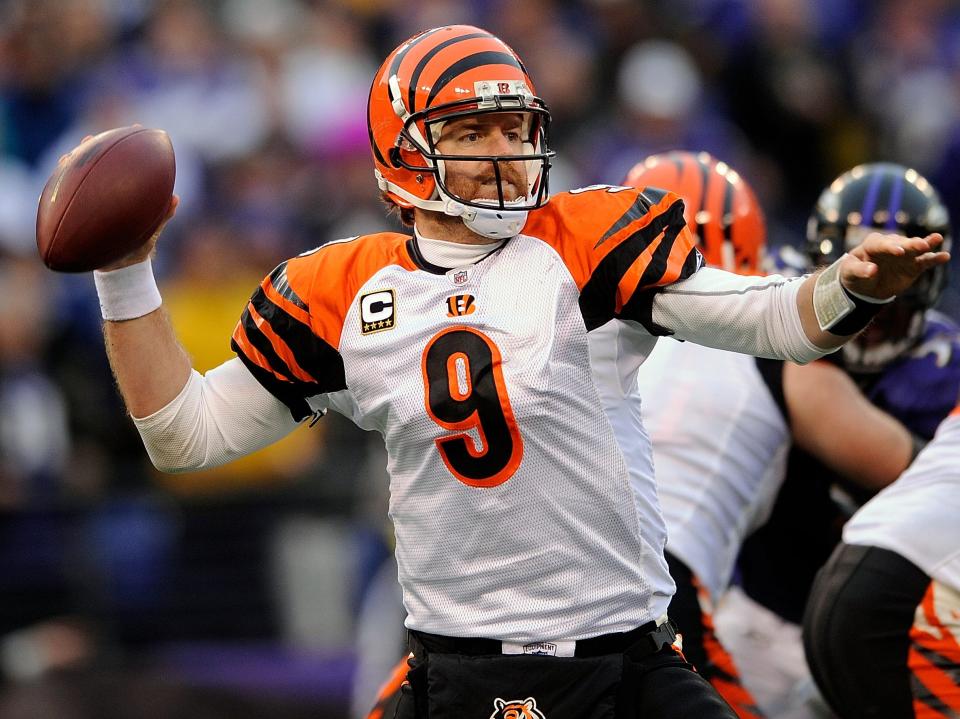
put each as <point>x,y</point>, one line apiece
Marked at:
<point>719,206</point>
<point>441,74</point>
<point>890,198</point>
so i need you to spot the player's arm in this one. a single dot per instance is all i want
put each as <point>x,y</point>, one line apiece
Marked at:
<point>187,421</point>
<point>216,418</point>
<point>148,362</point>
<point>785,318</point>
<point>831,419</point>
<point>639,262</point>
<point>633,258</point>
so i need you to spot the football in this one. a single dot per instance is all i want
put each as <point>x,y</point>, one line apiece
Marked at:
<point>105,199</point>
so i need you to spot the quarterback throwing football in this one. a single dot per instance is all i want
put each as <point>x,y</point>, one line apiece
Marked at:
<point>529,538</point>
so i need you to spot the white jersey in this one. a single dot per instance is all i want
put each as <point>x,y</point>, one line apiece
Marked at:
<point>720,444</point>
<point>918,516</point>
<point>521,486</point>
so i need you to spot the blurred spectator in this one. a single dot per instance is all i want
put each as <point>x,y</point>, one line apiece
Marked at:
<point>34,435</point>
<point>661,104</point>
<point>324,79</point>
<point>786,94</point>
<point>218,264</point>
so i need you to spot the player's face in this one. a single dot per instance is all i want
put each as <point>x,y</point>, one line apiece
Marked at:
<point>489,134</point>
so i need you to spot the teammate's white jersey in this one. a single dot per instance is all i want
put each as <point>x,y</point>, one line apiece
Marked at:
<point>918,516</point>
<point>720,444</point>
<point>521,487</point>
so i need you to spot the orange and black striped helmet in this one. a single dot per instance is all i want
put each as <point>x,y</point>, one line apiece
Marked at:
<point>445,73</point>
<point>721,209</point>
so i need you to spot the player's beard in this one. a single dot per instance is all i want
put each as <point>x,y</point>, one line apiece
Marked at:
<point>483,185</point>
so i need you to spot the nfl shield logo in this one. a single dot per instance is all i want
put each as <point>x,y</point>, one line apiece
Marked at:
<point>460,277</point>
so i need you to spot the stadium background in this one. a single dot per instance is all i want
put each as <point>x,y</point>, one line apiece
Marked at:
<point>236,592</point>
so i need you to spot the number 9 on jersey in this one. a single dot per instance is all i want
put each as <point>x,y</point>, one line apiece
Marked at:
<point>463,391</point>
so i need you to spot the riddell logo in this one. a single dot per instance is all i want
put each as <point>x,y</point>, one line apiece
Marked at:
<point>460,305</point>
<point>516,709</point>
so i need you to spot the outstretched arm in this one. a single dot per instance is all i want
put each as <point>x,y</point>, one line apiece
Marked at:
<point>797,319</point>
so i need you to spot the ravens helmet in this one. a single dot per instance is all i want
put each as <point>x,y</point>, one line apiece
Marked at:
<point>881,197</point>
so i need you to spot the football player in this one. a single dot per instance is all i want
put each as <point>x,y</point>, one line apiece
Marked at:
<point>719,468</point>
<point>882,627</point>
<point>523,501</point>
<point>907,363</point>
<point>722,212</point>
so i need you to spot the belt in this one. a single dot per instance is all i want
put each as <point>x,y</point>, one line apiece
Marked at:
<point>646,639</point>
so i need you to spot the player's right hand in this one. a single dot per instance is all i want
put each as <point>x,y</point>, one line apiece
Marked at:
<point>146,249</point>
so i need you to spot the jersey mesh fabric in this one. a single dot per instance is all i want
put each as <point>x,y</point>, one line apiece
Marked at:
<point>917,516</point>
<point>551,529</point>
<point>557,551</point>
<point>719,446</point>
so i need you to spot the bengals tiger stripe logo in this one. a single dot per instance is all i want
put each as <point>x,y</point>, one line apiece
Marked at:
<point>460,305</point>
<point>516,709</point>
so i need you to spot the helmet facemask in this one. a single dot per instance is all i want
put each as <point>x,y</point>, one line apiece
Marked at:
<point>494,217</point>
<point>895,330</point>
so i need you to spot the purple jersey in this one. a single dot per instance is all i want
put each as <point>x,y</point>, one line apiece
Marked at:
<point>922,387</point>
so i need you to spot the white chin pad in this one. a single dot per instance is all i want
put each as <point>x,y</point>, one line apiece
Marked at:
<point>495,223</point>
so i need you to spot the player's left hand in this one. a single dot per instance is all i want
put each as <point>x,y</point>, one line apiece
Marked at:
<point>885,265</point>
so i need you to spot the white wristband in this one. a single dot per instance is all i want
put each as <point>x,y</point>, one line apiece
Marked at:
<point>127,293</point>
<point>830,303</point>
<point>840,310</point>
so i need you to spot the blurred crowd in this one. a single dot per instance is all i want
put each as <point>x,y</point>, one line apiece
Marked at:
<point>106,564</point>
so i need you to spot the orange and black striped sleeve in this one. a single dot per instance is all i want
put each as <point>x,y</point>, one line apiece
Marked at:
<point>276,340</point>
<point>621,245</point>
<point>289,333</point>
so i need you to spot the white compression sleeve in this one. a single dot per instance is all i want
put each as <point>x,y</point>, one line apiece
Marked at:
<point>753,315</point>
<point>215,419</point>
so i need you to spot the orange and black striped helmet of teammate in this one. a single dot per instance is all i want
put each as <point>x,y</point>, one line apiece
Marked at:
<point>721,209</point>
<point>450,72</point>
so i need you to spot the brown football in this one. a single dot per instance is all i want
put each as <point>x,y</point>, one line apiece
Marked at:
<point>105,199</point>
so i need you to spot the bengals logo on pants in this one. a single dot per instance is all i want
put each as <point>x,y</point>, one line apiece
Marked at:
<point>516,709</point>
